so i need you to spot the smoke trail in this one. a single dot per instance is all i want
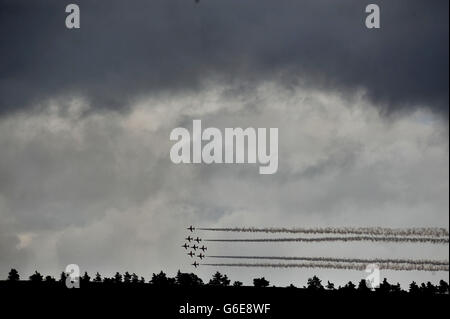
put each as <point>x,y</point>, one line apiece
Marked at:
<point>361,267</point>
<point>344,260</point>
<point>333,239</point>
<point>375,231</point>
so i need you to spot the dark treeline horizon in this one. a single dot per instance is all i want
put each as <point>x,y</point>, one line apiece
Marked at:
<point>161,279</point>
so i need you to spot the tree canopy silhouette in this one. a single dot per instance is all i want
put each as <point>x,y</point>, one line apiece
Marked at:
<point>36,277</point>
<point>188,280</point>
<point>330,285</point>
<point>181,279</point>
<point>443,287</point>
<point>363,288</point>
<point>13,275</point>
<point>219,280</point>
<point>161,279</point>
<point>98,278</point>
<point>260,282</point>
<point>314,284</point>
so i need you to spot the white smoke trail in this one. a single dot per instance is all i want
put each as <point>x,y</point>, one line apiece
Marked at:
<point>350,266</point>
<point>344,260</point>
<point>374,231</point>
<point>334,239</point>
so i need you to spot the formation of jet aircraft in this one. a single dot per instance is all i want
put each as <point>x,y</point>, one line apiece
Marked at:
<point>194,247</point>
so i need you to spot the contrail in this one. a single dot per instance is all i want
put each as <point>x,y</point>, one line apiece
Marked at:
<point>333,239</point>
<point>375,231</point>
<point>344,260</point>
<point>361,267</point>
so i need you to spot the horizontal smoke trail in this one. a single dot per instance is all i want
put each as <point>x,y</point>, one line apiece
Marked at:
<point>344,260</point>
<point>361,267</point>
<point>375,231</point>
<point>333,239</point>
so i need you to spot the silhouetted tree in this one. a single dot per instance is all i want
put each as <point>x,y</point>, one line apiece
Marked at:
<point>396,289</point>
<point>13,275</point>
<point>219,280</point>
<point>85,278</point>
<point>443,287</point>
<point>49,279</point>
<point>385,287</point>
<point>162,280</point>
<point>314,284</point>
<point>36,277</point>
<point>428,288</point>
<point>117,278</point>
<point>187,280</point>
<point>330,286</point>
<point>423,288</point>
<point>414,288</point>
<point>260,282</point>
<point>134,278</point>
<point>98,278</point>
<point>362,287</point>
<point>349,287</point>
<point>127,277</point>
<point>142,280</point>
<point>431,289</point>
<point>237,284</point>
<point>63,277</point>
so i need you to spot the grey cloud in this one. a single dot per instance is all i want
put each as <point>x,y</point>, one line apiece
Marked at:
<point>100,190</point>
<point>125,49</point>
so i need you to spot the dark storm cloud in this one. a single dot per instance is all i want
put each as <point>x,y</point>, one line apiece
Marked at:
<point>128,48</point>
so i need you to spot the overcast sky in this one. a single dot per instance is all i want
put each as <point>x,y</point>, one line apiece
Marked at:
<point>85,119</point>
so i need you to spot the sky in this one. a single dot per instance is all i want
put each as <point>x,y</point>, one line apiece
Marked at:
<point>86,115</point>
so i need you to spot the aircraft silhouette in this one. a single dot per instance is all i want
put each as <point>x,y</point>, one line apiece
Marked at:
<point>198,240</point>
<point>195,264</point>
<point>201,256</point>
<point>194,247</point>
<point>191,254</point>
<point>189,238</point>
<point>185,246</point>
<point>191,228</point>
<point>203,248</point>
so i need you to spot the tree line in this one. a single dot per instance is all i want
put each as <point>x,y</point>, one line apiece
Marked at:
<point>313,285</point>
